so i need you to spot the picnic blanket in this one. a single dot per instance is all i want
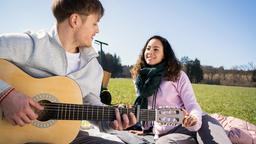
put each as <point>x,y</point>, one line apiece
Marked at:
<point>239,131</point>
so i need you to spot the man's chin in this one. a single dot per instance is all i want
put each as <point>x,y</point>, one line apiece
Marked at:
<point>87,45</point>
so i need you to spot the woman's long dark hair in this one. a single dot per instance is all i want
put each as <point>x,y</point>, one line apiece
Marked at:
<point>173,65</point>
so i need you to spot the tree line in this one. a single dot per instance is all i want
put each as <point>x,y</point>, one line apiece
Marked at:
<point>243,75</point>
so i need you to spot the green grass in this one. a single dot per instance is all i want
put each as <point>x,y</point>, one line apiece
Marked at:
<point>122,91</point>
<point>238,102</point>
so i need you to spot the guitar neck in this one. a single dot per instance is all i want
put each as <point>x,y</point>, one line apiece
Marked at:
<point>63,111</point>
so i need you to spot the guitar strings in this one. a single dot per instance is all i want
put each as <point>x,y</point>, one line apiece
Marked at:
<point>78,106</point>
<point>90,108</point>
<point>56,106</point>
<point>86,108</point>
<point>81,109</point>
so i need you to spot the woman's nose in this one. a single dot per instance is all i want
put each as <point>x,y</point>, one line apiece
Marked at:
<point>150,51</point>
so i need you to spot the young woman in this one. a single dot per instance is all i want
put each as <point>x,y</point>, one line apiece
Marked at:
<point>160,82</point>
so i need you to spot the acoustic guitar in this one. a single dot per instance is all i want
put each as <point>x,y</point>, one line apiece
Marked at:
<point>60,120</point>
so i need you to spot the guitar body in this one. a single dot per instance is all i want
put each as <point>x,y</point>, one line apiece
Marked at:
<point>55,89</point>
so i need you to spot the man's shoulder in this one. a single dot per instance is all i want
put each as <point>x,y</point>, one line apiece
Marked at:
<point>41,34</point>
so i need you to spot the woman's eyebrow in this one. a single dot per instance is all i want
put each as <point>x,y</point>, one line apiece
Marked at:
<point>156,46</point>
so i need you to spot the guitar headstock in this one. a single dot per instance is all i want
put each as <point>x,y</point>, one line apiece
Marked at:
<point>169,116</point>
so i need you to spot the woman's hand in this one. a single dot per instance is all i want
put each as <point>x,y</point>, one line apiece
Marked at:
<point>189,120</point>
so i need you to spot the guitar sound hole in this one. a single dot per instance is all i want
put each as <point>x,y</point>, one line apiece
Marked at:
<point>45,114</point>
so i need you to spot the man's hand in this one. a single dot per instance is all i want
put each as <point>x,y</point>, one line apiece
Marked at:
<point>124,122</point>
<point>19,109</point>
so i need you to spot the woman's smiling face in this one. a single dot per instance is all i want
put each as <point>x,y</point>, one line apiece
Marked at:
<point>154,52</point>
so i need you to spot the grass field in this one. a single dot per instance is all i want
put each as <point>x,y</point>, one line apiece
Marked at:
<point>238,102</point>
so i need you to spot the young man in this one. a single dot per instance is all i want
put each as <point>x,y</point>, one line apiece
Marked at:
<point>65,50</point>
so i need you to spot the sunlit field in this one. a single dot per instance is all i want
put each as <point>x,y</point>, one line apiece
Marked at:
<point>238,102</point>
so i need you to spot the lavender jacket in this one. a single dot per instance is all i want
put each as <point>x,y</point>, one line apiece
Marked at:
<point>177,94</point>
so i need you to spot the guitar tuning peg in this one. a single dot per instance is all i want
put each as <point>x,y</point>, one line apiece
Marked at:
<point>163,123</point>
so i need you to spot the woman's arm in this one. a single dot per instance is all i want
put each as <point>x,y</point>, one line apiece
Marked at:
<point>189,100</point>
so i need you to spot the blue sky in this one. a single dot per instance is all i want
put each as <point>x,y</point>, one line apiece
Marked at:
<point>217,32</point>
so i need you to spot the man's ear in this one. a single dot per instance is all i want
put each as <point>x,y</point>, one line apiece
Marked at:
<point>75,20</point>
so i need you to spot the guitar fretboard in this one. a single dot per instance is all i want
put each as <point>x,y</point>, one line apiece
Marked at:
<point>63,111</point>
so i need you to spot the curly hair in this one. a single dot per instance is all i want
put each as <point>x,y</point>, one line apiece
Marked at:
<point>173,66</point>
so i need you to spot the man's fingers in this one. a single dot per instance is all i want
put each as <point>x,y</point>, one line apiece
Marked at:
<point>26,119</point>
<point>31,114</point>
<point>118,119</point>
<point>132,118</point>
<point>18,121</point>
<point>114,124</point>
<point>125,121</point>
<point>35,105</point>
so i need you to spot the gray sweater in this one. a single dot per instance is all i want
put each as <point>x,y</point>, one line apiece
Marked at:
<point>40,54</point>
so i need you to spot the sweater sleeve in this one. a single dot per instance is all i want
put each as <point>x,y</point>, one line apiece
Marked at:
<point>16,47</point>
<point>3,87</point>
<point>189,100</point>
